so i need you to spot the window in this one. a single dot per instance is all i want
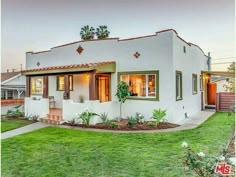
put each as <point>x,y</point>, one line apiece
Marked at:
<point>179,94</point>
<point>194,83</point>
<point>142,84</point>
<point>184,48</point>
<point>37,85</point>
<point>61,84</point>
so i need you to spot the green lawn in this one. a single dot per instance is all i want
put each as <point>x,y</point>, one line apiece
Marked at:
<point>56,152</point>
<point>9,124</point>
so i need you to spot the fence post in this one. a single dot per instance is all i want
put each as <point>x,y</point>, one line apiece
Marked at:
<point>217,102</point>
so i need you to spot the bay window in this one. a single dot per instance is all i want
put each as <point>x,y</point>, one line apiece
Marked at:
<point>142,84</point>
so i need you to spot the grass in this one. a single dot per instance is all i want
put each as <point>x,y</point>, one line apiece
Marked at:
<point>10,124</point>
<point>57,152</point>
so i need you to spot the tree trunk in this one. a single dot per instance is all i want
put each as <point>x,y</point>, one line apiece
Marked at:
<point>120,110</point>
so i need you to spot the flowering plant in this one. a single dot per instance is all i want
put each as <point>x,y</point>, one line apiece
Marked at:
<point>139,117</point>
<point>203,165</point>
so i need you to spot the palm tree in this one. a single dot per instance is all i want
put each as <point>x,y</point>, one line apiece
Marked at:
<point>87,32</point>
<point>102,32</point>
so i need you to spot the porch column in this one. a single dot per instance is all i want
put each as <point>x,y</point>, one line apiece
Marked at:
<point>27,92</point>
<point>45,86</point>
<point>92,90</point>
<point>6,94</point>
<point>67,87</point>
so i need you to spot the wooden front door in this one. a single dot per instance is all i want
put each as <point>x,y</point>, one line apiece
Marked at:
<point>103,87</point>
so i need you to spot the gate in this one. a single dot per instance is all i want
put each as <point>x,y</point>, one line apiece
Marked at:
<point>225,101</point>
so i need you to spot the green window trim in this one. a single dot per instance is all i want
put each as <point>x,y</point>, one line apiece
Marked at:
<point>70,78</point>
<point>179,91</point>
<point>194,84</point>
<point>156,72</point>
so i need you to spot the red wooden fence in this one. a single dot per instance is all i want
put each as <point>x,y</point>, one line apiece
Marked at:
<point>225,101</point>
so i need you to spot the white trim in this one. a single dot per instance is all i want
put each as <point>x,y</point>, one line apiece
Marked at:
<point>3,82</point>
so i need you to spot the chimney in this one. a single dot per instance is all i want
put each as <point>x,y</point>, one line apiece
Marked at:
<point>7,70</point>
<point>13,70</point>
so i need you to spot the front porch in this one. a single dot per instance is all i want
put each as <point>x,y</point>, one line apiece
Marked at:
<point>50,90</point>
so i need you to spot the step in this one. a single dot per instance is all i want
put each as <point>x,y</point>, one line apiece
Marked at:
<point>49,121</point>
<point>54,117</point>
<point>210,107</point>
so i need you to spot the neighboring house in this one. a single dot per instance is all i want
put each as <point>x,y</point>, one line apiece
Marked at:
<point>220,82</point>
<point>162,71</point>
<point>12,85</point>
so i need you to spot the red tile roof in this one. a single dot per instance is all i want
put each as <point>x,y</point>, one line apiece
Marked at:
<point>87,65</point>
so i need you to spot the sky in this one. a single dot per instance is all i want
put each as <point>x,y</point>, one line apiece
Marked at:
<point>32,25</point>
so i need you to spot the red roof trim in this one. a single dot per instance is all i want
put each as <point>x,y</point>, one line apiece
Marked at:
<point>198,47</point>
<point>166,31</point>
<point>183,40</point>
<point>41,51</point>
<point>69,66</point>
<point>85,41</point>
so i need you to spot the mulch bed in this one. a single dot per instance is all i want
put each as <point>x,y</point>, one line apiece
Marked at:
<point>122,125</point>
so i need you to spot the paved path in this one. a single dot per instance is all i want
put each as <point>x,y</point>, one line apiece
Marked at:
<point>188,123</point>
<point>22,130</point>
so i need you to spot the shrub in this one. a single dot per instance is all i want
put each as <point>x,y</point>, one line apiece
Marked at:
<point>202,164</point>
<point>86,116</point>
<point>104,118</point>
<point>14,113</point>
<point>72,122</point>
<point>151,124</point>
<point>158,115</point>
<point>131,121</point>
<point>139,117</point>
<point>113,125</point>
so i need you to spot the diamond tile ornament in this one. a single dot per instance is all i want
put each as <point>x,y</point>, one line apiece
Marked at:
<point>80,49</point>
<point>38,64</point>
<point>136,55</point>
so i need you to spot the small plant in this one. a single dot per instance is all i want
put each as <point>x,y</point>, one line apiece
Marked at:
<point>104,118</point>
<point>140,118</point>
<point>158,115</point>
<point>72,122</point>
<point>113,125</point>
<point>86,116</point>
<point>151,124</point>
<point>14,113</point>
<point>131,121</point>
<point>81,99</point>
<point>35,118</point>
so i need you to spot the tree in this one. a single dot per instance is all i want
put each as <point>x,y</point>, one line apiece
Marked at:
<point>87,32</point>
<point>122,93</point>
<point>102,32</point>
<point>230,86</point>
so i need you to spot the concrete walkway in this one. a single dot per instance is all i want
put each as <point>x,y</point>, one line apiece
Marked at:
<point>189,123</point>
<point>22,130</point>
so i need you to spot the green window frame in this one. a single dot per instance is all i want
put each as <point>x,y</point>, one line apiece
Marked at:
<point>60,83</point>
<point>149,85</point>
<point>178,85</point>
<point>194,84</point>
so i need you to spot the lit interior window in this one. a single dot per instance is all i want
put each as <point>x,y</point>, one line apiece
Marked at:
<point>61,85</point>
<point>37,85</point>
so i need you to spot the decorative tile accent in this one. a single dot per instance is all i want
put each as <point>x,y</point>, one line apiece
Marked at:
<point>80,49</point>
<point>136,54</point>
<point>38,64</point>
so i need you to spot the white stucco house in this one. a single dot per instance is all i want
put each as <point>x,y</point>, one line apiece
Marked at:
<point>162,71</point>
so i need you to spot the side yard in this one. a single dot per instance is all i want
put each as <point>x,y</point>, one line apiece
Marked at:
<point>65,152</point>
